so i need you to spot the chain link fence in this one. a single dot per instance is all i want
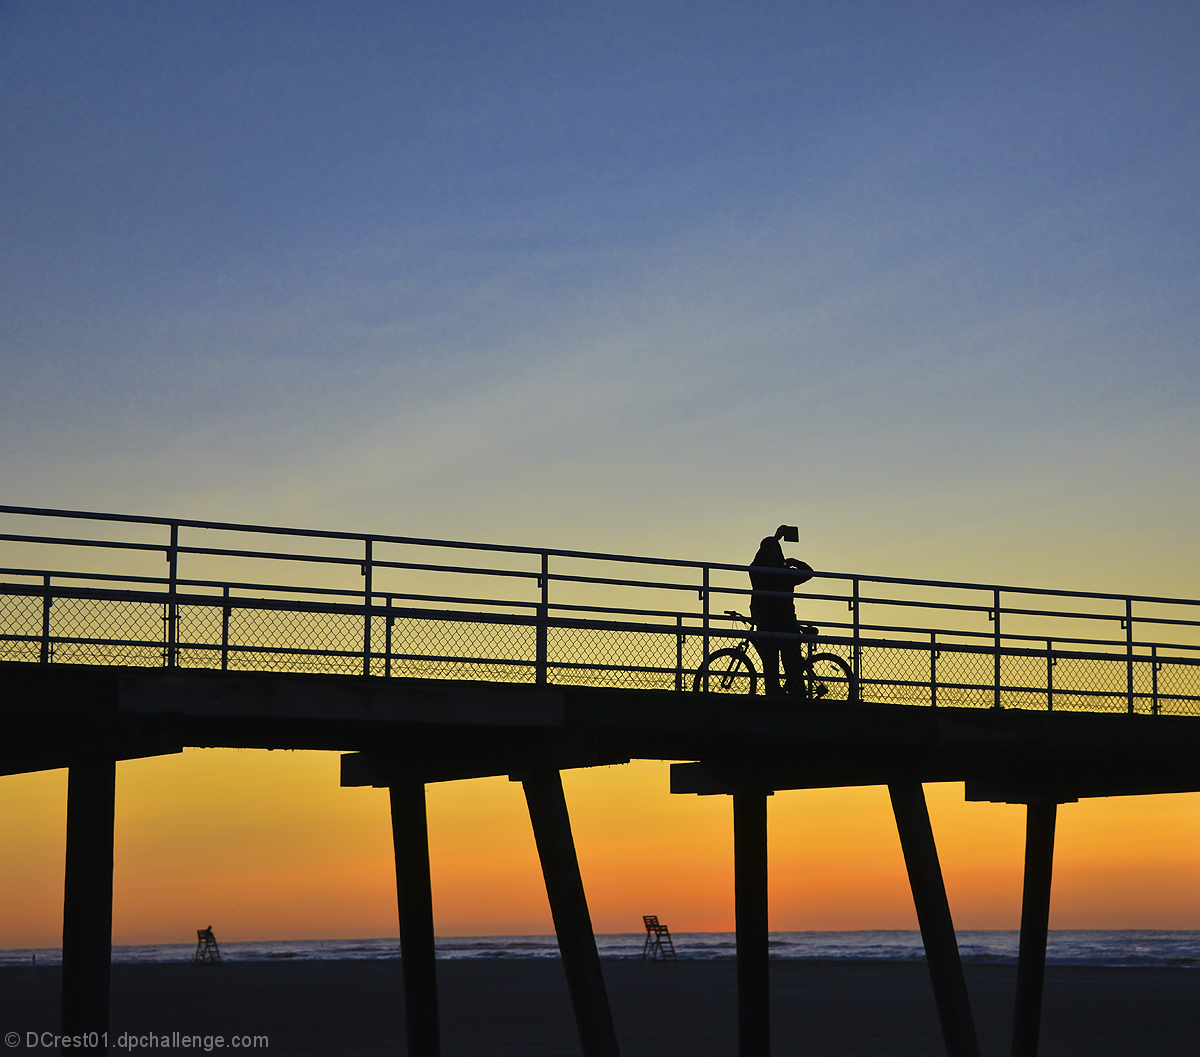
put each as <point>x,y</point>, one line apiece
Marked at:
<point>340,604</point>
<point>505,648</point>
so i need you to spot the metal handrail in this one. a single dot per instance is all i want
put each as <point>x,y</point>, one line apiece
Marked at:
<point>1127,664</point>
<point>226,526</point>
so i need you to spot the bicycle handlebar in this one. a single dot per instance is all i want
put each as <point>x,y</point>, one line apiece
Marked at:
<point>806,630</point>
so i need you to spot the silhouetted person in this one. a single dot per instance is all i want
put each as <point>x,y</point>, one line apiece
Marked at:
<point>771,571</point>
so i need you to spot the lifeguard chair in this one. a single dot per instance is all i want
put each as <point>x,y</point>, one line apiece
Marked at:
<point>207,951</point>
<point>658,940</point>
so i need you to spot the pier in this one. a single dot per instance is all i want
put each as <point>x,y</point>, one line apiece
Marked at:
<point>433,660</point>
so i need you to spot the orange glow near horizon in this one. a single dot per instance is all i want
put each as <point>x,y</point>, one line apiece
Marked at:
<point>265,845</point>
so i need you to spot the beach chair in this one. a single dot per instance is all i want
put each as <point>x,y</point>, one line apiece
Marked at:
<point>207,951</point>
<point>658,940</point>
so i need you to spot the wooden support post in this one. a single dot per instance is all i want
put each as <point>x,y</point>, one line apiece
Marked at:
<point>1035,924</point>
<point>568,906</point>
<point>933,914</point>
<point>414,895</point>
<point>87,899</point>
<point>750,908</point>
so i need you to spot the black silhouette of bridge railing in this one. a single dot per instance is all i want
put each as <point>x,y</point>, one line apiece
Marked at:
<point>260,598</point>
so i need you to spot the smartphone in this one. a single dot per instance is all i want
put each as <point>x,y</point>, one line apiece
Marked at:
<point>791,534</point>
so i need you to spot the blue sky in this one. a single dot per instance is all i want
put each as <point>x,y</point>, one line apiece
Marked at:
<point>919,277</point>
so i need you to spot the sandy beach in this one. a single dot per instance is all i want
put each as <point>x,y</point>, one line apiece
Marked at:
<point>821,1009</point>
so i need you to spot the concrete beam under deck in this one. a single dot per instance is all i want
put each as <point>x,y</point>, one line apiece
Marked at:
<point>455,728</point>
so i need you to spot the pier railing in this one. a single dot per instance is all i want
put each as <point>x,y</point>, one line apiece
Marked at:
<point>88,588</point>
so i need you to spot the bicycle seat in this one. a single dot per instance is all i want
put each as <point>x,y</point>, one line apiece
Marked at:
<point>809,629</point>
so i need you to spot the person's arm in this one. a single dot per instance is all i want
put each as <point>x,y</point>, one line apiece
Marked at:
<point>802,572</point>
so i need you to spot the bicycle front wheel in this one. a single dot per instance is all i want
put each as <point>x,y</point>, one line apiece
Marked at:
<point>727,672</point>
<point>829,677</point>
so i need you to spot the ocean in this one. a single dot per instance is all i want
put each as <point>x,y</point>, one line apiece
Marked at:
<point>1120,947</point>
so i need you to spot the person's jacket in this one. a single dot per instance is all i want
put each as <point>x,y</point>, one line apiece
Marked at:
<point>778,612</point>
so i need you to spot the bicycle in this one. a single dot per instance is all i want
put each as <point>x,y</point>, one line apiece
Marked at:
<point>731,671</point>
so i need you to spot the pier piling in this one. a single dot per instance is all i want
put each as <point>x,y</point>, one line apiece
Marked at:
<point>933,915</point>
<point>87,898</point>
<point>750,909</point>
<point>414,895</point>
<point>568,906</point>
<point>1035,923</point>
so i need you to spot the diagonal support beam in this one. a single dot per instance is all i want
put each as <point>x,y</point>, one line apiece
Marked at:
<point>87,898</point>
<point>1035,924</point>
<point>414,895</point>
<point>750,909</point>
<point>568,906</point>
<point>933,914</point>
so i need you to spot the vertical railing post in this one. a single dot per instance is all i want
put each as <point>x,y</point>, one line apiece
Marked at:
<point>933,659</point>
<point>704,599</point>
<point>47,602</point>
<point>543,618</point>
<point>225,631</point>
<point>173,598</point>
<point>996,663</point>
<point>1050,663</point>
<point>368,597</point>
<point>856,660</point>
<point>1129,653</point>
<point>679,653</point>
<point>1154,667</point>
<point>387,640</point>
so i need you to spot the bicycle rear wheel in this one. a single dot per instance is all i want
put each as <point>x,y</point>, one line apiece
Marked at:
<point>828,677</point>
<point>727,672</point>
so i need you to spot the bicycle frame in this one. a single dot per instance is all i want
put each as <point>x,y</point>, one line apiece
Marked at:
<point>807,641</point>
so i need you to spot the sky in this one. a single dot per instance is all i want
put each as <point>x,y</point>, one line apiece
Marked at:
<point>643,278</point>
